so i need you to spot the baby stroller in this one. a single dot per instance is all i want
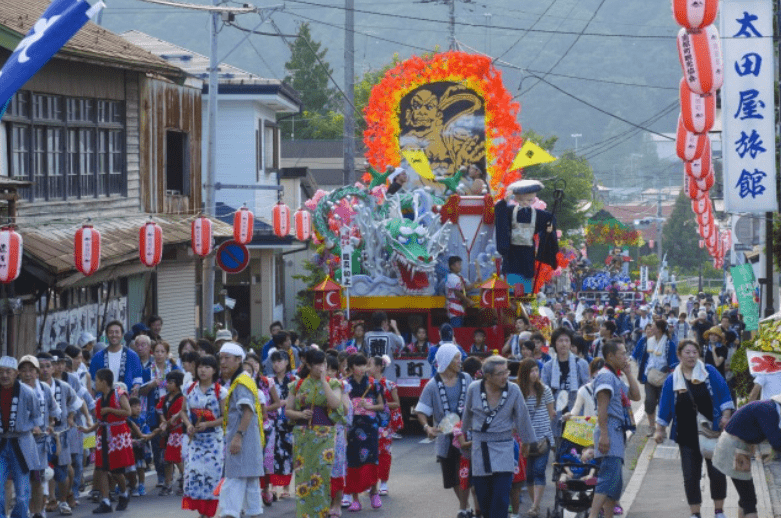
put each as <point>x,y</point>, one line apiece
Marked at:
<point>576,494</point>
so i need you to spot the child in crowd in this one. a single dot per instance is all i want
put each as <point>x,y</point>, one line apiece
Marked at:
<point>479,346</point>
<point>455,293</point>
<point>188,365</point>
<point>392,414</point>
<point>578,472</point>
<point>141,451</point>
<point>169,408</point>
<point>111,411</point>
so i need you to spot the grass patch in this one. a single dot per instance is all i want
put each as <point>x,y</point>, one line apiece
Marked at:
<point>639,451</point>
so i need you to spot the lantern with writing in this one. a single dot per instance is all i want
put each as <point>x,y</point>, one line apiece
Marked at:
<point>705,218</point>
<point>698,112</point>
<point>328,295</point>
<point>695,14</point>
<point>688,146</point>
<point>704,184</point>
<point>303,221</point>
<point>691,189</point>
<point>201,236</point>
<point>495,293</point>
<point>701,59</point>
<point>701,205</point>
<point>10,255</point>
<point>86,250</point>
<point>280,217</point>
<point>700,167</point>
<point>243,226</point>
<point>150,244</point>
<point>707,230</point>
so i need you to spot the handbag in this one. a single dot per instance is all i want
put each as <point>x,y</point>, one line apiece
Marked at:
<point>656,377</point>
<point>708,437</point>
<point>541,447</point>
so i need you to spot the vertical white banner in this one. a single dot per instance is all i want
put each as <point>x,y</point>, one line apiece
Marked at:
<point>747,106</point>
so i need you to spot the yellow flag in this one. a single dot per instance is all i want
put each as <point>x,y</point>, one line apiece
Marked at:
<point>419,161</point>
<point>531,154</point>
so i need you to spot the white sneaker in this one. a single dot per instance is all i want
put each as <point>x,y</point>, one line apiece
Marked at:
<point>384,489</point>
<point>65,509</point>
<point>347,501</point>
<point>719,515</point>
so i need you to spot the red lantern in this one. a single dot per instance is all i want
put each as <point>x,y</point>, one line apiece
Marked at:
<point>11,249</point>
<point>280,217</point>
<point>713,238</point>
<point>327,295</point>
<point>201,236</point>
<point>688,145</point>
<point>705,218</point>
<point>86,250</point>
<point>494,293</point>
<point>697,111</point>
<point>726,237</point>
<point>243,226</point>
<point>706,231</point>
<point>695,14</point>
<point>150,244</point>
<point>706,183</point>
<point>702,243</point>
<point>701,59</point>
<point>690,187</point>
<point>700,167</point>
<point>303,222</point>
<point>701,205</point>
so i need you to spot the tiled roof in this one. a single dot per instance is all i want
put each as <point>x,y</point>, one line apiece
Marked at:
<point>52,245</point>
<point>92,43</point>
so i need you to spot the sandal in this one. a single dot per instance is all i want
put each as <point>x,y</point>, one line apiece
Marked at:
<point>355,506</point>
<point>534,512</point>
<point>376,501</point>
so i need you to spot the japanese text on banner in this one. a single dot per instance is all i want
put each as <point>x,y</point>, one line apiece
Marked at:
<point>748,141</point>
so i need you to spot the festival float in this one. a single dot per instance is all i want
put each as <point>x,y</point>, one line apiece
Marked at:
<point>434,118</point>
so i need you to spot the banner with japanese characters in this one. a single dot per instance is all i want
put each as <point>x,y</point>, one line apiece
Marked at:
<point>747,106</point>
<point>748,295</point>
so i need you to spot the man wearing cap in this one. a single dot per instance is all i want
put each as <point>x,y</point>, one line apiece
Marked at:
<point>240,491</point>
<point>62,371</point>
<point>397,180</point>
<point>121,360</point>
<point>69,404</point>
<point>29,370</point>
<point>516,227</point>
<point>88,341</point>
<point>444,399</point>
<point>20,414</point>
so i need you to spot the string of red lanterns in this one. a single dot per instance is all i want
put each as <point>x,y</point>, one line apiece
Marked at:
<point>11,249</point>
<point>699,50</point>
<point>201,236</point>
<point>150,244</point>
<point>86,250</point>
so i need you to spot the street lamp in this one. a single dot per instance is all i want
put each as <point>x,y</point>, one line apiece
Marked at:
<point>576,136</point>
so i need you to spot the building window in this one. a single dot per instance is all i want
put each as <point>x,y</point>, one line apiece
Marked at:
<point>70,148</point>
<point>177,163</point>
<point>270,145</point>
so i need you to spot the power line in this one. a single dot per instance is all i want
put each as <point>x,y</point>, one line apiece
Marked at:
<point>526,32</point>
<point>480,25</point>
<point>499,63</point>
<point>594,14</point>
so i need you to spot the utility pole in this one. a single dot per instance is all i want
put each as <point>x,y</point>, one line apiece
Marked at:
<point>349,90</point>
<point>452,5</point>
<point>207,306</point>
<point>659,220</point>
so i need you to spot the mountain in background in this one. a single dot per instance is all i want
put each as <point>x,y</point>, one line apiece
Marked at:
<point>625,63</point>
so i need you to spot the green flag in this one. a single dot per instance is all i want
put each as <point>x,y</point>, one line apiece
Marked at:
<point>748,295</point>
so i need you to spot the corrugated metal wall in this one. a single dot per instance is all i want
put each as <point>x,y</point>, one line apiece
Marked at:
<point>176,300</point>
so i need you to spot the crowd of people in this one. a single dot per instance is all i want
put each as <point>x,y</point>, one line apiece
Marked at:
<point>231,430</point>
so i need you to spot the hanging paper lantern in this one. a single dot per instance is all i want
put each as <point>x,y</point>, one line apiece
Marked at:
<point>706,183</point>
<point>705,218</point>
<point>303,221</point>
<point>201,236</point>
<point>11,249</point>
<point>688,145</point>
<point>726,238</point>
<point>690,187</point>
<point>701,205</point>
<point>695,14</point>
<point>700,167</point>
<point>702,243</point>
<point>711,238</point>
<point>150,244</point>
<point>243,226</point>
<point>701,59</point>
<point>697,111</point>
<point>706,231</point>
<point>86,250</point>
<point>280,217</point>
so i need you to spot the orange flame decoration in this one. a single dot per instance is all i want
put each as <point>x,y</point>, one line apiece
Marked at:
<point>503,132</point>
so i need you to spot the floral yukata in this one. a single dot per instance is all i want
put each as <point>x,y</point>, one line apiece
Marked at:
<point>363,437</point>
<point>314,447</point>
<point>114,442</point>
<point>205,451</point>
<point>283,438</point>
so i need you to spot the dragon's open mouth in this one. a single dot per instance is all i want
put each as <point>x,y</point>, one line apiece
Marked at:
<point>413,277</point>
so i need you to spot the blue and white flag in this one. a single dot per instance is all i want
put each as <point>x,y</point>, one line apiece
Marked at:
<point>54,28</point>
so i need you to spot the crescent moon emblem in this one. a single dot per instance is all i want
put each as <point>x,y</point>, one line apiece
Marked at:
<point>485,302</point>
<point>328,300</point>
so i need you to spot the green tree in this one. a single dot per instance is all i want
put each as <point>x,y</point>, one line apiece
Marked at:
<point>680,237</point>
<point>310,78</point>
<point>575,171</point>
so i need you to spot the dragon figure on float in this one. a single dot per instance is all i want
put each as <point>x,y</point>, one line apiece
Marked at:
<point>445,132</point>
